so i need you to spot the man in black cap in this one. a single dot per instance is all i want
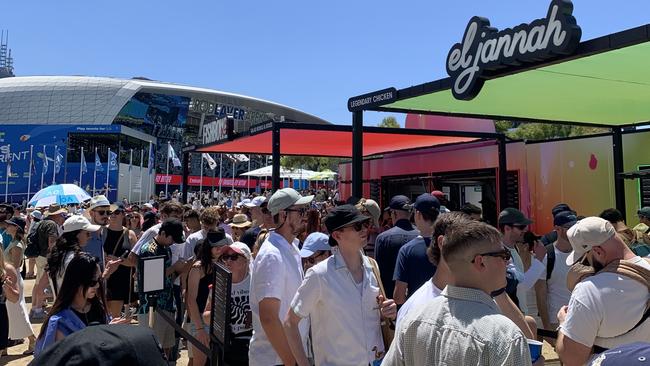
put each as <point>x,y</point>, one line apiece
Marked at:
<point>514,224</point>
<point>551,236</point>
<point>389,242</point>
<point>413,268</point>
<point>106,345</point>
<point>343,281</point>
<point>171,231</point>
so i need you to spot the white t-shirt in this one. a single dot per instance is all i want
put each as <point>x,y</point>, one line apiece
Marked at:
<point>606,305</point>
<point>427,292</point>
<point>277,273</point>
<point>193,239</point>
<point>558,293</point>
<point>241,317</point>
<point>146,237</point>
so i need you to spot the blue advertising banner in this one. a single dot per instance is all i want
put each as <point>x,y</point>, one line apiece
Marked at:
<point>31,152</point>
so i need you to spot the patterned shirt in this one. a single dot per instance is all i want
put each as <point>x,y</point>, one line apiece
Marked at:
<point>166,296</point>
<point>462,326</point>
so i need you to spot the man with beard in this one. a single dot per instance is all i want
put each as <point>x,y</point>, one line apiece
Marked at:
<point>98,213</point>
<point>277,274</point>
<point>607,309</point>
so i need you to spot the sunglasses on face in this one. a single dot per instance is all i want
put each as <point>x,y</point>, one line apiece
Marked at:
<point>116,212</point>
<point>230,257</point>
<point>503,254</point>
<point>358,226</point>
<point>300,211</point>
<point>312,259</point>
<point>103,212</point>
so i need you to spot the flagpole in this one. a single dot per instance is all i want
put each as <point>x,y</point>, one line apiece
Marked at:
<point>95,173</point>
<point>141,164</point>
<point>233,177</point>
<point>220,171</point>
<point>169,146</point>
<point>201,183</point>
<point>130,163</point>
<point>108,172</point>
<point>266,177</point>
<point>31,166</point>
<point>54,167</point>
<point>7,173</point>
<point>150,170</point>
<point>81,167</point>
<point>43,170</point>
<point>214,172</point>
<point>248,184</point>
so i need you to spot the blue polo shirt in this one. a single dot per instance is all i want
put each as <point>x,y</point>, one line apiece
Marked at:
<point>413,266</point>
<point>387,247</point>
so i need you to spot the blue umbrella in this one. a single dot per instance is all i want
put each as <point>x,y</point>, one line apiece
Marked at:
<point>62,194</point>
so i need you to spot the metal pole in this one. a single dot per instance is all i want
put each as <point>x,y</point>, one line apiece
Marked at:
<point>248,182</point>
<point>130,175</point>
<point>619,183</point>
<point>275,172</point>
<point>169,146</point>
<point>220,171</point>
<point>201,182</point>
<point>7,173</point>
<point>214,172</point>
<point>31,166</point>
<point>43,169</point>
<point>81,168</point>
<point>141,180</point>
<point>54,167</point>
<point>357,154</point>
<point>503,174</point>
<point>108,173</point>
<point>233,177</point>
<point>95,173</point>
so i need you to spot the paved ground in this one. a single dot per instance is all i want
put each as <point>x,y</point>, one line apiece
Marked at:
<point>15,357</point>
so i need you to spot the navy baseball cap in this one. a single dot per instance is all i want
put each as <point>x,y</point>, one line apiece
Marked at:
<point>426,203</point>
<point>400,202</point>
<point>565,219</point>
<point>561,207</point>
<point>512,216</point>
<point>629,354</point>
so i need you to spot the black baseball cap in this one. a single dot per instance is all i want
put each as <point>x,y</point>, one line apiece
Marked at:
<point>512,216</point>
<point>174,228</point>
<point>342,216</point>
<point>561,207</point>
<point>426,203</point>
<point>399,202</point>
<point>565,219</point>
<point>106,345</point>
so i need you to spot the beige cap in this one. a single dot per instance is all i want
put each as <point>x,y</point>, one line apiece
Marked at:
<point>241,248</point>
<point>240,221</point>
<point>77,222</point>
<point>285,198</point>
<point>586,234</point>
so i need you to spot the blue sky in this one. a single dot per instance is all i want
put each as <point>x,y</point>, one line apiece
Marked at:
<point>308,55</point>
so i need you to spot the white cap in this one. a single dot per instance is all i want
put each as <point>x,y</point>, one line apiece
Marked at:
<point>77,222</point>
<point>588,233</point>
<point>285,198</point>
<point>98,201</point>
<point>255,202</point>
<point>241,248</point>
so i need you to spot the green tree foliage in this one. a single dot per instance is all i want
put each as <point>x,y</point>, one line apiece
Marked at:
<point>389,121</point>
<point>310,162</point>
<point>544,131</point>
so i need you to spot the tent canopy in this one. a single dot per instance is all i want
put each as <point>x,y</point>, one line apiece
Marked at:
<point>336,140</point>
<point>605,82</point>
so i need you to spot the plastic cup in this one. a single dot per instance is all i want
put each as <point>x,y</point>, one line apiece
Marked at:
<point>535,348</point>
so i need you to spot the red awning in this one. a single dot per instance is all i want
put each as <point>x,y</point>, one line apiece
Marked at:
<point>317,142</point>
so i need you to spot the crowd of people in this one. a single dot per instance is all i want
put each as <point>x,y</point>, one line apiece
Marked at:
<point>317,281</point>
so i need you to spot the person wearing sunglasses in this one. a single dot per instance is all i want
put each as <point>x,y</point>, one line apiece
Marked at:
<point>513,224</point>
<point>314,250</point>
<point>341,296</point>
<point>98,212</point>
<point>437,333</point>
<point>79,303</point>
<point>277,274</point>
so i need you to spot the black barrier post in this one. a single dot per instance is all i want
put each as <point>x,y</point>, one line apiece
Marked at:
<point>275,142</point>
<point>220,313</point>
<point>619,182</point>
<point>357,155</point>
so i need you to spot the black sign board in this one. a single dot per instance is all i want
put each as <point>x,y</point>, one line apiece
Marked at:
<point>370,100</point>
<point>220,312</point>
<point>484,48</point>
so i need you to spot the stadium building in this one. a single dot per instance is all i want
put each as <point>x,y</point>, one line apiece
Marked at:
<point>46,121</point>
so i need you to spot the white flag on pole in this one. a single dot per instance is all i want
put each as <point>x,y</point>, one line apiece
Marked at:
<point>172,155</point>
<point>211,163</point>
<point>237,157</point>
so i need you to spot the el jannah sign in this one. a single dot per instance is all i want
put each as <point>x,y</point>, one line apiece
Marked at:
<point>485,48</point>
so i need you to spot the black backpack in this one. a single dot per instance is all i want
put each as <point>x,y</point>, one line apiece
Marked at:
<point>32,250</point>
<point>550,260</point>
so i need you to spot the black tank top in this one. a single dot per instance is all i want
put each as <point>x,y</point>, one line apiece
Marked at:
<point>112,237</point>
<point>203,291</point>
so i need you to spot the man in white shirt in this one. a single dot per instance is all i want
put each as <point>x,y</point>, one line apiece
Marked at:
<point>343,281</point>
<point>605,309</point>
<point>209,219</point>
<point>276,275</point>
<point>553,292</point>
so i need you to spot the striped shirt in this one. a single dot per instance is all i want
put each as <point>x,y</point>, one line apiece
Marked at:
<point>462,326</point>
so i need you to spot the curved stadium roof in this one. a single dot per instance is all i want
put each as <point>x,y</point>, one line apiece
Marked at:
<point>98,100</point>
